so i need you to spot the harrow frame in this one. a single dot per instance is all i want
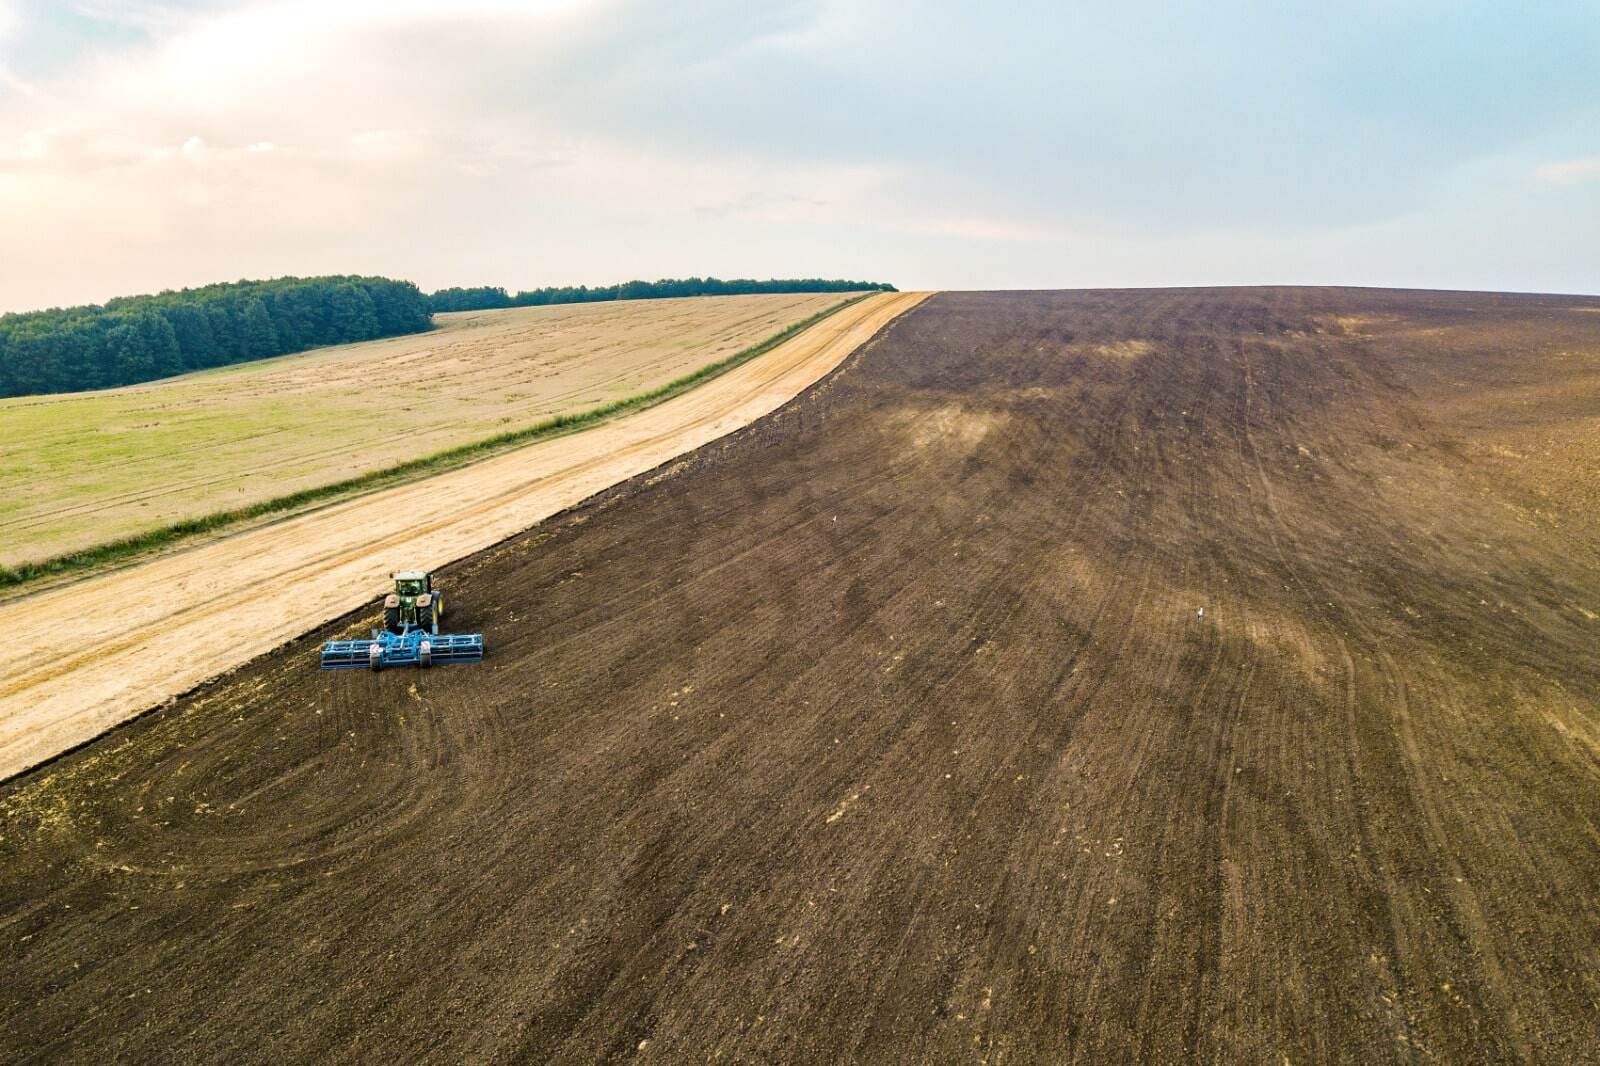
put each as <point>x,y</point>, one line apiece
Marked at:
<point>413,647</point>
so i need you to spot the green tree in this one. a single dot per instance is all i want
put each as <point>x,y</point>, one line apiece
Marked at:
<point>192,331</point>
<point>260,337</point>
<point>136,338</point>
<point>353,316</point>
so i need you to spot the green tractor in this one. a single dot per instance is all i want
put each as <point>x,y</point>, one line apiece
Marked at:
<point>413,605</point>
<point>410,635</point>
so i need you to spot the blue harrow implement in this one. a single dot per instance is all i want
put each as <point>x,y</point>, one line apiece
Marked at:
<point>414,647</point>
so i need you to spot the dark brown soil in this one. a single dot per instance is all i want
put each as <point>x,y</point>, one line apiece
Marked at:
<point>1149,676</point>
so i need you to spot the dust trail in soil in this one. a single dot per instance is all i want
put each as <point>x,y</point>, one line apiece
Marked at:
<point>1155,676</point>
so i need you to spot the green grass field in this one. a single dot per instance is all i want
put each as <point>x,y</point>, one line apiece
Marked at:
<point>82,470</point>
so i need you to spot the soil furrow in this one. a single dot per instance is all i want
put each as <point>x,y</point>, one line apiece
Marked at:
<point>1103,676</point>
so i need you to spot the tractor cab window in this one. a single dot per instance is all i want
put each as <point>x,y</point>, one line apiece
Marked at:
<point>409,587</point>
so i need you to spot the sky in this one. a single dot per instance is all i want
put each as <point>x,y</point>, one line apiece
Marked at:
<point>929,144</point>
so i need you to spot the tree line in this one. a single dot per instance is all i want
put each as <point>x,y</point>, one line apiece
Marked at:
<point>486,297</point>
<point>139,338</point>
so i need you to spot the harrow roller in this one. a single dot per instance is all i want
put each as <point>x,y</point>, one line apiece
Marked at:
<point>415,647</point>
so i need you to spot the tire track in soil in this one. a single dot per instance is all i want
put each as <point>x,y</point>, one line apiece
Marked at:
<point>1005,698</point>
<point>80,670</point>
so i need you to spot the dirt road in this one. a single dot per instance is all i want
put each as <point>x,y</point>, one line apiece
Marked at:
<point>1190,676</point>
<point>95,652</point>
<point>83,469</point>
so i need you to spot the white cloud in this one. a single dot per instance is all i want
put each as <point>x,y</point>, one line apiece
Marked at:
<point>16,84</point>
<point>33,145</point>
<point>311,135</point>
<point>556,141</point>
<point>977,228</point>
<point>1570,172</point>
<point>9,24</point>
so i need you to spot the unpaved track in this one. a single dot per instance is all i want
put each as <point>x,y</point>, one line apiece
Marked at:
<point>80,469</point>
<point>1169,677</point>
<point>95,652</point>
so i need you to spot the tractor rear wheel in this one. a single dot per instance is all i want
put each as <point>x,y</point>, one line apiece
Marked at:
<point>391,619</point>
<point>425,620</point>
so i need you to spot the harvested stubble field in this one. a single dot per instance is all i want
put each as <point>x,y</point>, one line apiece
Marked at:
<point>1156,676</point>
<point>80,470</point>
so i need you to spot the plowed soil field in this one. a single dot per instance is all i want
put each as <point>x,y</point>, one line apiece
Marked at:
<point>101,650</point>
<point>1145,676</point>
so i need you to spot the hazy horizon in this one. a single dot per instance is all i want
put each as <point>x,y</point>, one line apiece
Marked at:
<point>1417,144</point>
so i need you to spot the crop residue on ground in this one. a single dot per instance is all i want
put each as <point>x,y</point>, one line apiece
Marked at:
<point>1233,702</point>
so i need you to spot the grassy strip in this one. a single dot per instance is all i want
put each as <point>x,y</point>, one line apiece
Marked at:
<point>125,548</point>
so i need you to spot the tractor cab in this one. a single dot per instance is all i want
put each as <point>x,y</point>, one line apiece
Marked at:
<point>413,604</point>
<point>412,583</point>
